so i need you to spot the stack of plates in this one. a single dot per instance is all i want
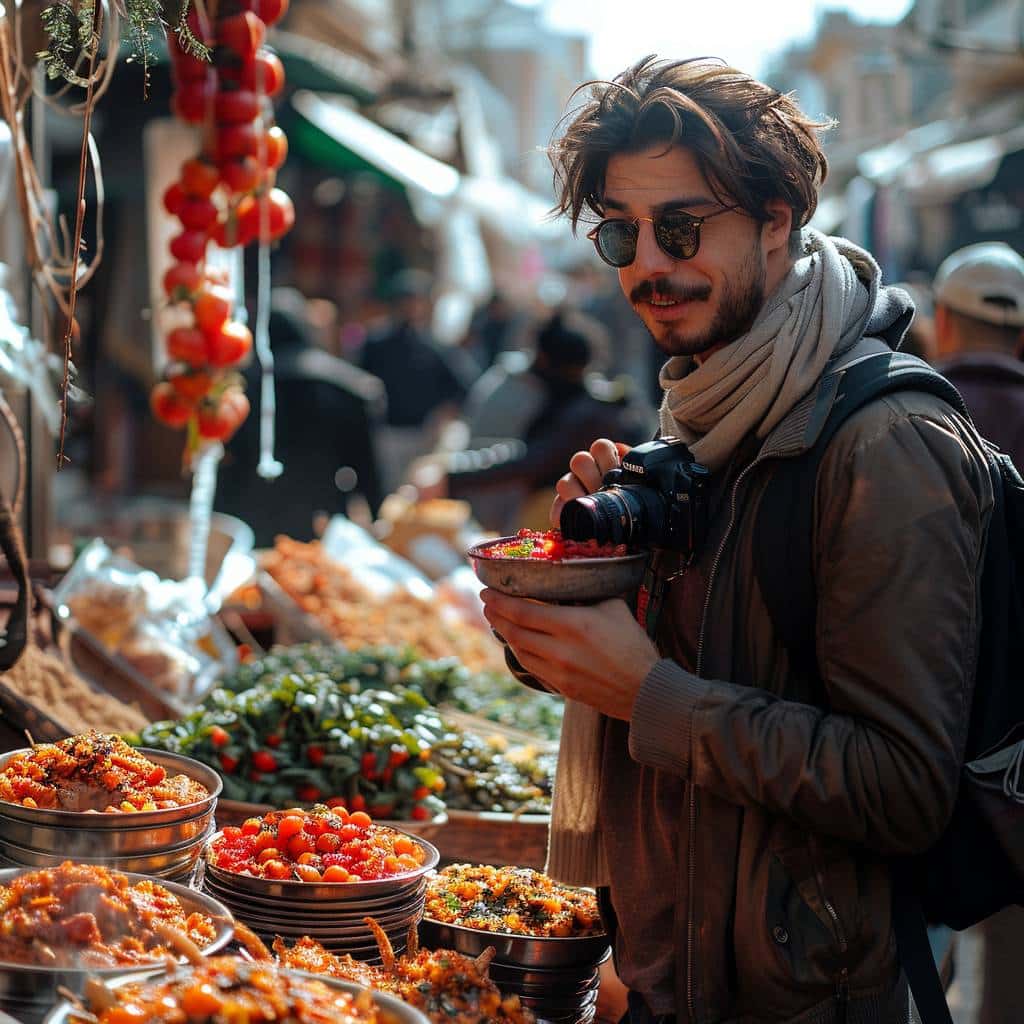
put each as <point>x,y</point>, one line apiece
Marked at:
<point>164,844</point>
<point>330,912</point>
<point>29,991</point>
<point>556,978</point>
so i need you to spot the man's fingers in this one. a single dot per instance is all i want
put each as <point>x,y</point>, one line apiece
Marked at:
<point>587,471</point>
<point>605,454</point>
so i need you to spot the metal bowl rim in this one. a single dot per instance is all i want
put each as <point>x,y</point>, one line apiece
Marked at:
<point>212,908</point>
<point>514,935</point>
<point>480,551</point>
<point>140,819</point>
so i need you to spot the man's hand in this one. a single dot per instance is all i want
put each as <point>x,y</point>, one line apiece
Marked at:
<point>587,470</point>
<point>597,654</point>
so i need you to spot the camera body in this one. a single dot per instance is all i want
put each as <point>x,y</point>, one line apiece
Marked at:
<point>658,498</point>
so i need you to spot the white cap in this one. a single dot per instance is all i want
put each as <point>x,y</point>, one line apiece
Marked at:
<point>985,281</point>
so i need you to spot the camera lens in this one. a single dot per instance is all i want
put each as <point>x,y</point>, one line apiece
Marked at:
<point>605,516</point>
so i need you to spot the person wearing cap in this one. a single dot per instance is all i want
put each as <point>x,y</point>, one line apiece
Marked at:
<point>979,327</point>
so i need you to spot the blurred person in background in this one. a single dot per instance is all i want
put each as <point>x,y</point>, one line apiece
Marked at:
<point>496,327</point>
<point>425,383</point>
<point>525,422</point>
<point>979,327</point>
<point>328,413</point>
<point>920,337</point>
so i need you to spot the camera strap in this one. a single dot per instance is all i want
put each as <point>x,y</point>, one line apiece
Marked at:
<point>651,596</point>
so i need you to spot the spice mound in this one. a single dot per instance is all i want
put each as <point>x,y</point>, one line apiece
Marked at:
<point>519,901</point>
<point>94,772</point>
<point>446,986</point>
<point>227,988</point>
<point>78,915</point>
<point>325,844</point>
<point>551,546</point>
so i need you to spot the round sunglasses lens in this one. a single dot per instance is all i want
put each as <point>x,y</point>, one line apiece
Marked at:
<point>616,242</point>
<point>679,236</point>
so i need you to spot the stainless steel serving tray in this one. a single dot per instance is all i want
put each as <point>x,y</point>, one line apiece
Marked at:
<point>174,764</point>
<point>521,950</point>
<point>320,892</point>
<point>33,986</point>
<point>574,579</point>
<point>399,1012</point>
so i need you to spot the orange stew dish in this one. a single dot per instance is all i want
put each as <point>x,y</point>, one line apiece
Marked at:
<point>228,988</point>
<point>83,916</point>
<point>324,844</point>
<point>519,901</point>
<point>94,773</point>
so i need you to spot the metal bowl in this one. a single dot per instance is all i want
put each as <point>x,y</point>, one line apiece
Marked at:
<point>397,1011</point>
<point>574,579</point>
<point>319,892</point>
<point>175,764</point>
<point>521,950</point>
<point>390,920</point>
<point>31,989</point>
<point>87,842</point>
<point>324,910</point>
<point>174,861</point>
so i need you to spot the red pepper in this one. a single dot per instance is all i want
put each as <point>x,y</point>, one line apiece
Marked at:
<point>219,737</point>
<point>369,765</point>
<point>315,755</point>
<point>228,763</point>
<point>420,813</point>
<point>274,741</point>
<point>263,761</point>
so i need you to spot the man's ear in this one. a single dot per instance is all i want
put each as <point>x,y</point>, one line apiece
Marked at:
<point>776,230</point>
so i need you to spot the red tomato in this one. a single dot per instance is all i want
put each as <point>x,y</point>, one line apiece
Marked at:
<point>308,794</point>
<point>181,280</point>
<point>237,106</point>
<point>268,11</point>
<point>240,175</point>
<point>219,737</point>
<point>212,307</point>
<point>199,178</point>
<point>192,386</point>
<point>358,802</point>
<point>263,761</point>
<point>360,818</point>
<point>269,66</point>
<point>420,813</point>
<point>243,34</point>
<point>191,100</point>
<point>235,140</point>
<point>168,406</point>
<point>217,423</point>
<point>187,345</point>
<point>280,216</point>
<point>197,214</point>
<point>229,344</point>
<point>275,144</point>
<point>188,68</point>
<point>173,198</point>
<point>189,246</point>
<point>316,757</point>
<point>273,741</point>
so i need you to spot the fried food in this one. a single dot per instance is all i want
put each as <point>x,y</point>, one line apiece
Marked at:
<point>94,772</point>
<point>79,915</point>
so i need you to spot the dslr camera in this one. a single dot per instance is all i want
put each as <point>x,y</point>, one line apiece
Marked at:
<point>658,498</point>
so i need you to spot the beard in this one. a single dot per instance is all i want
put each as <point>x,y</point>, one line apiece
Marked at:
<point>741,300</point>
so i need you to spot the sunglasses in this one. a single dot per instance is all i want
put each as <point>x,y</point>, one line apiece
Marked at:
<point>677,235</point>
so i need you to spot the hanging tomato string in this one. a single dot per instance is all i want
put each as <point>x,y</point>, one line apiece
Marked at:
<point>226,194</point>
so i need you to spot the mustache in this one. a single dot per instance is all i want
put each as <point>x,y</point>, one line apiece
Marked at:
<point>647,290</point>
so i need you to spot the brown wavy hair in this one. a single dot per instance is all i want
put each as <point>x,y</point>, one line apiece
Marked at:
<point>751,142</point>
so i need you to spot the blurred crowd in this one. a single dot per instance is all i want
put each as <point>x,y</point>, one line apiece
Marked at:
<point>492,420</point>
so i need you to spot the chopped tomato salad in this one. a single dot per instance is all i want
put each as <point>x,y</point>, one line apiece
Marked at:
<point>325,844</point>
<point>551,546</point>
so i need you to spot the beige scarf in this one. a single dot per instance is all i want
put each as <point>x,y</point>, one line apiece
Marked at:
<point>820,309</point>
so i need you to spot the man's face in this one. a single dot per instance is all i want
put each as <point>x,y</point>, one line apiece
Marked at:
<point>689,306</point>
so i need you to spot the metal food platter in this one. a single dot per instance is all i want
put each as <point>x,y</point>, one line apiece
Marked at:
<point>396,1010</point>
<point>522,950</point>
<point>174,764</point>
<point>573,579</point>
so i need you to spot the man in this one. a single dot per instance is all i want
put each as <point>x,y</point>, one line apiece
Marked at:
<point>979,326</point>
<point>547,407</point>
<point>328,415</point>
<point>737,815</point>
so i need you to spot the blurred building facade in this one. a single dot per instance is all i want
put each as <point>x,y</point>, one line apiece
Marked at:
<point>928,154</point>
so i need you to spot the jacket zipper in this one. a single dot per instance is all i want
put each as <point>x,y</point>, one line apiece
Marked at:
<point>691,870</point>
<point>843,981</point>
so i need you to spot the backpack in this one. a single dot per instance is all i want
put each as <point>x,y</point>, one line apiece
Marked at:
<point>977,866</point>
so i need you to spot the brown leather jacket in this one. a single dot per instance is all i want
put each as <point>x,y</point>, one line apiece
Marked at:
<point>783,906</point>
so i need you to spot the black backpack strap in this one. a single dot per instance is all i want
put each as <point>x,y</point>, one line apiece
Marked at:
<point>784,567</point>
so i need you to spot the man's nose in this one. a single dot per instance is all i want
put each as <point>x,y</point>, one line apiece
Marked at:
<point>651,259</point>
